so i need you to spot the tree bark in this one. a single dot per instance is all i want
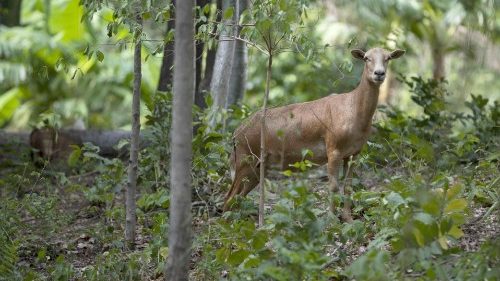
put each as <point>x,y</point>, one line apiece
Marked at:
<point>130,220</point>
<point>10,14</point>
<point>15,145</point>
<point>179,239</point>
<point>262,181</point>
<point>438,57</point>
<point>165,82</point>
<point>219,86</point>
<point>240,61</point>
<point>204,86</point>
<point>200,46</point>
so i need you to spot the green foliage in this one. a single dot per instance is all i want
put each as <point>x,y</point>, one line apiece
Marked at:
<point>154,159</point>
<point>418,220</point>
<point>159,199</point>
<point>111,178</point>
<point>8,258</point>
<point>62,271</point>
<point>428,172</point>
<point>289,247</point>
<point>59,61</point>
<point>115,266</point>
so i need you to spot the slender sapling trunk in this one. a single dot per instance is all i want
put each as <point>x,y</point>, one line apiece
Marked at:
<point>130,220</point>
<point>262,184</point>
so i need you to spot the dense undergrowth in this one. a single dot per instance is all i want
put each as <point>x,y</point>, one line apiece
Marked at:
<point>424,188</point>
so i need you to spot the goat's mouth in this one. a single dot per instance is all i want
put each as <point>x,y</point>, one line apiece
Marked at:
<point>378,79</point>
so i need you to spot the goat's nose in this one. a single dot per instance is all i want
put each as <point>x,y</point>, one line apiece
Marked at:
<point>379,72</point>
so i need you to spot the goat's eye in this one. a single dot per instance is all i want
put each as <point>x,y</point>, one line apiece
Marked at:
<point>367,59</point>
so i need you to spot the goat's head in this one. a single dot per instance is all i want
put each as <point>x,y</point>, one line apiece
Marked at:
<point>376,61</point>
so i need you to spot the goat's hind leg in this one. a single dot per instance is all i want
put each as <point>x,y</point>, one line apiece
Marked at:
<point>334,165</point>
<point>345,188</point>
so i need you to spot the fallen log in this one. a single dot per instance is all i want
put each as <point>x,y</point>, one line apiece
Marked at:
<point>51,144</point>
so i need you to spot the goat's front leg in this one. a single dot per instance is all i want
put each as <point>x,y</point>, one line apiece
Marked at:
<point>334,164</point>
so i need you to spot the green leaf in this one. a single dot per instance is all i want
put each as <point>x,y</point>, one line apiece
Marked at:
<point>9,102</point>
<point>74,156</point>
<point>456,232</point>
<point>259,240</point>
<point>100,55</point>
<point>394,200</point>
<point>146,15</point>
<point>65,19</point>
<point>456,205</point>
<point>228,13</point>
<point>163,252</point>
<point>443,242</point>
<point>206,9</point>
<point>453,191</point>
<point>424,218</point>
<point>418,237</point>
<point>237,257</point>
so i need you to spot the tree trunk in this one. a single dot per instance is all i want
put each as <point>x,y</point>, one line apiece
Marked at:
<point>200,46</point>
<point>57,145</point>
<point>240,61</point>
<point>204,86</point>
<point>10,12</point>
<point>105,140</point>
<point>219,86</point>
<point>438,57</point>
<point>262,181</point>
<point>130,221</point>
<point>179,239</point>
<point>165,82</point>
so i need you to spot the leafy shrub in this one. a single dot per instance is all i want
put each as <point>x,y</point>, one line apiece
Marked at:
<point>290,247</point>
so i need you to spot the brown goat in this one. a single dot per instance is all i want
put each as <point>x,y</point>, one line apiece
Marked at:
<point>334,128</point>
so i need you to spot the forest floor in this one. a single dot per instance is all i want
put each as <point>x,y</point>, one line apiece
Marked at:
<point>84,232</point>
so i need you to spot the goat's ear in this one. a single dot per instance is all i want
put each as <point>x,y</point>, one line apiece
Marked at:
<point>358,54</point>
<point>396,54</point>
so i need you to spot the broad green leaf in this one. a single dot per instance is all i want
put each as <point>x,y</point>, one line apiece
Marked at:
<point>424,218</point>
<point>456,232</point>
<point>221,254</point>
<point>252,262</point>
<point>394,200</point>
<point>9,102</point>
<point>206,9</point>
<point>237,257</point>
<point>443,242</point>
<point>453,191</point>
<point>455,205</point>
<point>259,240</point>
<point>418,237</point>
<point>65,19</point>
<point>228,13</point>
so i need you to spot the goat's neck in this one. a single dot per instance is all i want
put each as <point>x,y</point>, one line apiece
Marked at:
<point>365,99</point>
